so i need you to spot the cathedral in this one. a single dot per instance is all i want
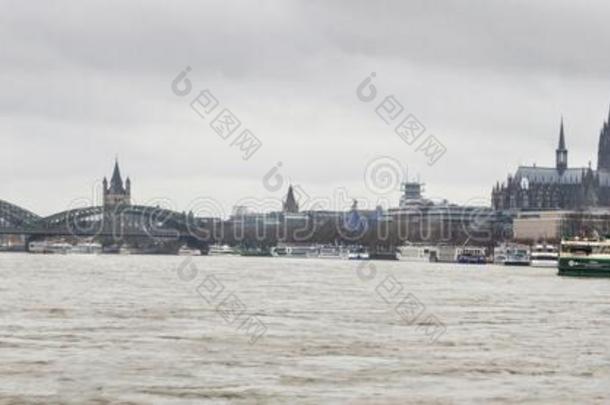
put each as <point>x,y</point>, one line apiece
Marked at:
<point>561,187</point>
<point>118,193</point>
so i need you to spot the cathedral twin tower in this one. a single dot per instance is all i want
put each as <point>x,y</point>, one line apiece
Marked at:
<point>559,187</point>
<point>603,150</point>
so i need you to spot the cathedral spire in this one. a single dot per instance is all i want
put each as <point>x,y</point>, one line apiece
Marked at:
<point>603,148</point>
<point>561,154</point>
<point>562,139</point>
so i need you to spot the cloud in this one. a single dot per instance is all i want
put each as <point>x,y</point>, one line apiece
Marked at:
<point>85,81</point>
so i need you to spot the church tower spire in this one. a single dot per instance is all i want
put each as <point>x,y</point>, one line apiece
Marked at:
<point>603,149</point>
<point>290,205</point>
<point>561,154</point>
<point>117,192</point>
<point>116,181</point>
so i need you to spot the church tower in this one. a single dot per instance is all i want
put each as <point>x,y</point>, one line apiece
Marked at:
<point>561,154</point>
<point>290,205</point>
<point>117,193</point>
<point>603,149</point>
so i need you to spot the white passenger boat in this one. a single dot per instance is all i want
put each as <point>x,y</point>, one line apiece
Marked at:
<point>186,251</point>
<point>61,247</point>
<point>544,255</point>
<point>38,247</point>
<point>358,253</point>
<point>222,250</point>
<point>49,247</point>
<point>410,253</point>
<point>332,252</point>
<point>512,255</point>
<point>302,251</point>
<point>87,248</point>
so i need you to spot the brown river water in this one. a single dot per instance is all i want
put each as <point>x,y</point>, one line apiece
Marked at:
<point>172,330</point>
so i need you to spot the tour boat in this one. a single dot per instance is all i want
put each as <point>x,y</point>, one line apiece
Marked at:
<point>544,255</point>
<point>60,247</point>
<point>584,258</point>
<point>358,253</point>
<point>512,255</point>
<point>38,247</point>
<point>295,251</point>
<point>255,252</point>
<point>186,251</point>
<point>331,252</point>
<point>87,248</point>
<point>470,255</point>
<point>49,247</point>
<point>222,250</point>
<point>411,253</point>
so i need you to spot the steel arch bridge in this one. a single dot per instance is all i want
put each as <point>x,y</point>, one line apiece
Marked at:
<point>115,222</point>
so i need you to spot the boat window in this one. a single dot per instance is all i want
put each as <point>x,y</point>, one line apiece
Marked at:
<point>602,249</point>
<point>578,250</point>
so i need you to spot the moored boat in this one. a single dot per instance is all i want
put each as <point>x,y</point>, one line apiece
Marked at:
<point>255,252</point>
<point>222,250</point>
<point>187,251</point>
<point>49,247</point>
<point>584,258</point>
<point>332,252</point>
<point>38,247</point>
<point>411,253</point>
<point>358,253</point>
<point>512,255</point>
<point>86,248</point>
<point>470,255</point>
<point>544,255</point>
<point>302,251</point>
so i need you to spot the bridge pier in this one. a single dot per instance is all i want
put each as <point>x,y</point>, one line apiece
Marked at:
<point>26,241</point>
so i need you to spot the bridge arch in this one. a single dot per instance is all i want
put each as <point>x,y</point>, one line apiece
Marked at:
<point>14,216</point>
<point>121,219</point>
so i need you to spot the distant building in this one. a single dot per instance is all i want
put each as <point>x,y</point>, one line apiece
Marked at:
<point>117,193</point>
<point>552,226</point>
<point>560,187</point>
<point>444,222</point>
<point>538,226</point>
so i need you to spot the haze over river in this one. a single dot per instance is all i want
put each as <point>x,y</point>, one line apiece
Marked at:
<point>136,329</point>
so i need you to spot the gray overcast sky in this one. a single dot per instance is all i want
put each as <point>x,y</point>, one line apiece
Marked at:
<point>83,81</point>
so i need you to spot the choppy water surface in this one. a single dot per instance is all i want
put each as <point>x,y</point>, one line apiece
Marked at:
<point>133,329</point>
